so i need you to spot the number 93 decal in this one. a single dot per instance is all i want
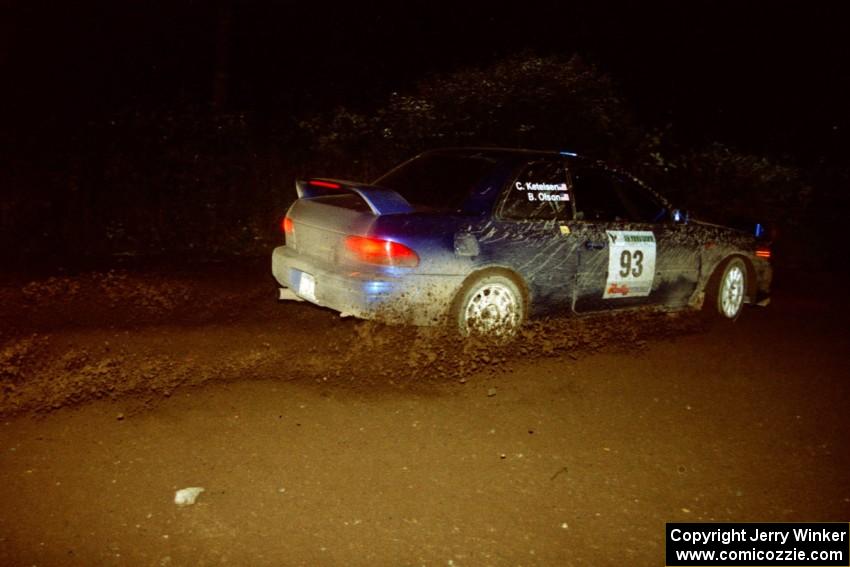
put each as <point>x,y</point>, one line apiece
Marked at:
<point>631,263</point>
<point>627,257</point>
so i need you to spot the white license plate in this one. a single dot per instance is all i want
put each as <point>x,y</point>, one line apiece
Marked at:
<point>307,287</point>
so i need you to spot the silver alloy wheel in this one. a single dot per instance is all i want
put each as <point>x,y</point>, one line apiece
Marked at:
<point>493,308</point>
<point>731,296</point>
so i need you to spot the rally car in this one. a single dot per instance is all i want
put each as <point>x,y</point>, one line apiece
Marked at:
<point>483,238</point>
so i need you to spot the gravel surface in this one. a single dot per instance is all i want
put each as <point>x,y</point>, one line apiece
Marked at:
<point>321,441</point>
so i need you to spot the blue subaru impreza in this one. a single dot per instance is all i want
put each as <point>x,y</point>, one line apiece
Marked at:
<point>482,238</point>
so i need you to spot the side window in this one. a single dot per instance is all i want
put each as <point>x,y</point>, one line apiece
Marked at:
<point>602,195</point>
<point>539,192</point>
<point>596,196</point>
<point>641,205</point>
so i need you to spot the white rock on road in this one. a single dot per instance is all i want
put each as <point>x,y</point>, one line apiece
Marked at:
<point>187,496</point>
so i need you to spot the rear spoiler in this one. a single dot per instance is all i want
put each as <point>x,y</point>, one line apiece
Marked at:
<point>382,201</point>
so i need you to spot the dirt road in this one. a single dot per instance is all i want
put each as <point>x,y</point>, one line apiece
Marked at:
<point>328,442</point>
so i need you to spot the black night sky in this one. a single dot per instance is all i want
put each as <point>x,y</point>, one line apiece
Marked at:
<point>768,75</point>
<point>766,79</point>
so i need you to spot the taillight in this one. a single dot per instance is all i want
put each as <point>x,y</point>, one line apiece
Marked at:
<point>287,225</point>
<point>325,184</point>
<point>382,252</point>
<point>763,252</point>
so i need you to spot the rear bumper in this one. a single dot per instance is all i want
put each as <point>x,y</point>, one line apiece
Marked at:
<point>398,298</point>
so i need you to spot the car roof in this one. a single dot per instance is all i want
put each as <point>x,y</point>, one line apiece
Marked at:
<point>496,151</point>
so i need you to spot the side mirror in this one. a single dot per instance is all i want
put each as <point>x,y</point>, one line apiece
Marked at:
<point>681,216</point>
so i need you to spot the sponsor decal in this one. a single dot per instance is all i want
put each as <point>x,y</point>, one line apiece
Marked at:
<point>615,289</point>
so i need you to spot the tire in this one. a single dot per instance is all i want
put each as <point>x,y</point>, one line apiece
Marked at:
<point>490,305</point>
<point>729,289</point>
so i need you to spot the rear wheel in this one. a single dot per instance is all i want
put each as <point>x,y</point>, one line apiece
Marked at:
<point>730,289</point>
<point>491,305</point>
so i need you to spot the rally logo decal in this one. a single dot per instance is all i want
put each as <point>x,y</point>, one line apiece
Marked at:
<point>631,263</point>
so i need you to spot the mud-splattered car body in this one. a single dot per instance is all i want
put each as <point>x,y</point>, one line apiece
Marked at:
<point>568,234</point>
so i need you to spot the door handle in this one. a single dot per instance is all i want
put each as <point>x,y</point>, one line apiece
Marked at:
<point>590,245</point>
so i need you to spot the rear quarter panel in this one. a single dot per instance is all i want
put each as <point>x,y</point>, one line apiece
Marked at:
<point>719,243</point>
<point>431,236</point>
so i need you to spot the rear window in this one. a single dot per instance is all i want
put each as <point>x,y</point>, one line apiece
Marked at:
<point>440,182</point>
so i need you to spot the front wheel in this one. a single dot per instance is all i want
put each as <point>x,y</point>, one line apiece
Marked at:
<point>731,289</point>
<point>492,305</point>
